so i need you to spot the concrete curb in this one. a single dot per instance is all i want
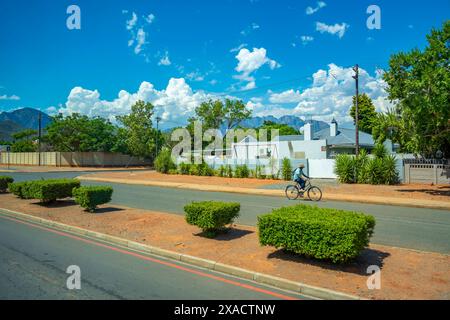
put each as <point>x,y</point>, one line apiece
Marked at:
<point>428,204</point>
<point>277,282</point>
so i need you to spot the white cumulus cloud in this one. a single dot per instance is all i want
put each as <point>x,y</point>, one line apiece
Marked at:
<point>249,62</point>
<point>165,61</point>
<point>336,29</point>
<point>12,97</point>
<point>331,92</point>
<point>174,104</point>
<point>311,10</point>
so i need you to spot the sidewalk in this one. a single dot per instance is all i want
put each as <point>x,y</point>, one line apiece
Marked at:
<point>405,274</point>
<point>15,168</point>
<point>423,196</point>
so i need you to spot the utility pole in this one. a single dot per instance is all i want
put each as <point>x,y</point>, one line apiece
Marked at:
<point>158,119</point>
<point>39,141</point>
<point>356,77</point>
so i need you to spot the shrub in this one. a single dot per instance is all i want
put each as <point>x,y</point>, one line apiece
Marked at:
<point>16,188</point>
<point>45,190</point>
<point>193,170</point>
<point>259,172</point>
<point>164,162</point>
<point>90,197</point>
<point>184,168</point>
<point>211,216</point>
<point>229,171</point>
<point>204,169</point>
<point>321,233</point>
<point>4,181</point>
<point>173,171</point>
<point>390,170</point>
<point>286,169</point>
<point>379,151</point>
<point>345,168</point>
<point>221,172</point>
<point>241,171</point>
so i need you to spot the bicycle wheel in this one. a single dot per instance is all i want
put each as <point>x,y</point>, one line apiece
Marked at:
<point>292,192</point>
<point>314,194</point>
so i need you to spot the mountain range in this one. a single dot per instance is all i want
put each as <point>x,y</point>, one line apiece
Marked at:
<point>21,119</point>
<point>292,121</point>
<point>28,118</point>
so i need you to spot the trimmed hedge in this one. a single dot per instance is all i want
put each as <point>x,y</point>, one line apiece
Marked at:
<point>321,233</point>
<point>4,181</point>
<point>90,197</point>
<point>211,216</point>
<point>16,188</point>
<point>44,190</point>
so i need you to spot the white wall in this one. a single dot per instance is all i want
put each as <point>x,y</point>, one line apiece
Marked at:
<point>321,168</point>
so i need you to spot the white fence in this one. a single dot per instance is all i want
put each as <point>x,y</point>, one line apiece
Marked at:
<point>321,168</point>
<point>316,168</point>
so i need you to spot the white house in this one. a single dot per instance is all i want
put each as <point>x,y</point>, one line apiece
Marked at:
<point>324,144</point>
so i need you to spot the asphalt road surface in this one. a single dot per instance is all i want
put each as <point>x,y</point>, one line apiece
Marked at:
<point>34,261</point>
<point>407,227</point>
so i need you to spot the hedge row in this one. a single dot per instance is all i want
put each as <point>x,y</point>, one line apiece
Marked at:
<point>4,181</point>
<point>321,233</point>
<point>44,190</point>
<point>227,171</point>
<point>211,216</point>
<point>90,197</point>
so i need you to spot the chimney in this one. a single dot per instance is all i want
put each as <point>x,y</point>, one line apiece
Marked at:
<point>307,131</point>
<point>333,128</point>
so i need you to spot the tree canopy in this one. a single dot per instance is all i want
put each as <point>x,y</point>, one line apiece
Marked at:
<point>80,133</point>
<point>139,134</point>
<point>283,129</point>
<point>367,114</point>
<point>215,113</point>
<point>23,141</point>
<point>419,83</point>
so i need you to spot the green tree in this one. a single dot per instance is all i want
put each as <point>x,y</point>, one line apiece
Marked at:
<point>389,125</point>
<point>419,82</point>
<point>23,141</point>
<point>283,129</point>
<point>215,113</point>
<point>366,113</point>
<point>140,134</point>
<point>80,133</point>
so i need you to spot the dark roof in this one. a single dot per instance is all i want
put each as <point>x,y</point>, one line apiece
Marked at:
<point>344,137</point>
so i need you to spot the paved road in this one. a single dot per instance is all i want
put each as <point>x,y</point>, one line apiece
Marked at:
<point>34,260</point>
<point>415,228</point>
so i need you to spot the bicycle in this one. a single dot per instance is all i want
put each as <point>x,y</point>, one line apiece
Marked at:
<point>294,191</point>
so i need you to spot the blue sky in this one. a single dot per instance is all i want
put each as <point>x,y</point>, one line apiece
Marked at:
<point>288,58</point>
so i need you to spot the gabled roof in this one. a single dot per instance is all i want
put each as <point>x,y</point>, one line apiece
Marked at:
<point>344,137</point>
<point>289,138</point>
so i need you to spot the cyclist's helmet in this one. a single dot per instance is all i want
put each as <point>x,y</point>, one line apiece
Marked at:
<point>301,165</point>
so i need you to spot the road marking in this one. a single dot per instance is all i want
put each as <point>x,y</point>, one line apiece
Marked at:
<point>142,257</point>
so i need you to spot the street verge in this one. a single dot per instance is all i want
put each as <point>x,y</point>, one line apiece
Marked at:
<point>297,287</point>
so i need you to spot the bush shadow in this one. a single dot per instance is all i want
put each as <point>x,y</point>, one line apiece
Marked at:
<point>358,266</point>
<point>57,203</point>
<point>227,234</point>
<point>440,191</point>
<point>107,210</point>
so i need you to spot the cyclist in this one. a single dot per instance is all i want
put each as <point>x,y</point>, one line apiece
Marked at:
<point>299,176</point>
